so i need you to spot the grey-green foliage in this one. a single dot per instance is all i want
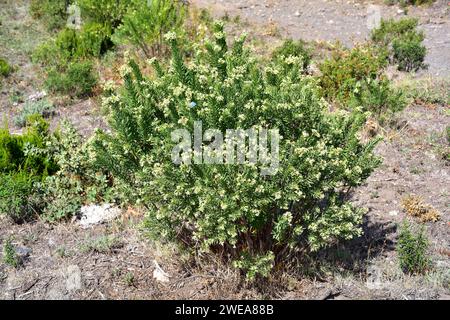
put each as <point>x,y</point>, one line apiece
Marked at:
<point>254,220</point>
<point>41,107</point>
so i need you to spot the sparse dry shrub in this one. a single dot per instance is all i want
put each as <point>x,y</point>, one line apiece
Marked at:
<point>417,208</point>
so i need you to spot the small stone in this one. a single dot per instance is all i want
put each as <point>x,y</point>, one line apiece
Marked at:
<point>159,274</point>
<point>95,214</point>
<point>393,213</point>
<point>297,13</point>
<point>37,96</point>
<point>73,280</point>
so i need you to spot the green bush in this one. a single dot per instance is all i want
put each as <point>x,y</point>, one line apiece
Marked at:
<point>24,160</point>
<point>403,42</point>
<point>412,250</point>
<point>94,40</point>
<point>70,45</point>
<point>379,97</point>
<point>52,12</point>
<point>106,12</point>
<point>77,81</point>
<point>77,181</point>
<point>41,107</point>
<point>17,197</point>
<point>67,42</point>
<point>144,25</point>
<point>294,48</point>
<point>28,151</point>
<point>9,254</point>
<point>5,68</point>
<point>409,54</point>
<point>255,220</point>
<point>347,69</point>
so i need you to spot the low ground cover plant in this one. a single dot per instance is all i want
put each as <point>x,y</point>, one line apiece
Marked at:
<point>42,107</point>
<point>9,254</point>
<point>253,220</point>
<point>404,3</point>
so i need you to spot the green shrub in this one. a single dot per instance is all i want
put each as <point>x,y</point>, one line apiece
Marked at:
<point>9,254</point>
<point>409,54</point>
<point>379,97</point>
<point>76,182</point>
<point>70,45</point>
<point>94,40</point>
<point>27,152</point>
<point>5,68</point>
<point>146,22</point>
<point>354,79</point>
<point>67,42</point>
<point>17,198</point>
<point>255,220</point>
<point>346,69</point>
<point>24,161</point>
<point>105,12</point>
<point>78,80</point>
<point>412,250</point>
<point>52,12</point>
<point>41,107</point>
<point>294,48</point>
<point>403,42</point>
<point>390,30</point>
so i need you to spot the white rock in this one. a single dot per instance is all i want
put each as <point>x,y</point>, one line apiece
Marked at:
<point>393,213</point>
<point>159,274</point>
<point>73,280</point>
<point>95,214</point>
<point>37,96</point>
<point>297,13</point>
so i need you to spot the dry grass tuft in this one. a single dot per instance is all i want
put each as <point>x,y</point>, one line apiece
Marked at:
<point>417,208</point>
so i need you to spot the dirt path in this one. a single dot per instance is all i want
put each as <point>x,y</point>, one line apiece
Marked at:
<point>342,20</point>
